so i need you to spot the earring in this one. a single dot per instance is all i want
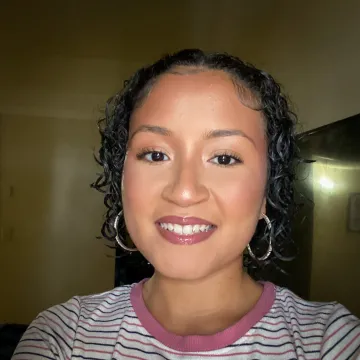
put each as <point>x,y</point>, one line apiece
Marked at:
<point>117,236</point>
<point>269,250</point>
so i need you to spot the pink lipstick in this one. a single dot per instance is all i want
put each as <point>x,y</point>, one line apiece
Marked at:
<point>184,230</point>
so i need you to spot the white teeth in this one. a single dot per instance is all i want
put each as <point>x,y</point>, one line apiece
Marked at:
<point>203,227</point>
<point>186,229</point>
<point>178,229</point>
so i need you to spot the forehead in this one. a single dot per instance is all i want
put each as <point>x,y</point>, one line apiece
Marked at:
<point>205,99</point>
<point>184,82</point>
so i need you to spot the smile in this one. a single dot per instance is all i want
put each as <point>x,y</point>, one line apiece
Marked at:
<point>184,230</point>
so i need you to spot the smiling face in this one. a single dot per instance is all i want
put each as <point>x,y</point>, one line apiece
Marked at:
<point>194,151</point>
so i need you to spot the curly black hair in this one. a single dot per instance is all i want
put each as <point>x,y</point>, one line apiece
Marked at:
<point>264,94</point>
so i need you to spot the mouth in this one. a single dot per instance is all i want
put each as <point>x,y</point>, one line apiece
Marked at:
<point>185,230</point>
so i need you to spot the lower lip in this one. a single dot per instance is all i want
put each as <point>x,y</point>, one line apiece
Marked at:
<point>185,239</point>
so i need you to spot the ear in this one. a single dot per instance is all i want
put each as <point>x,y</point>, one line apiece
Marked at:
<point>263,207</point>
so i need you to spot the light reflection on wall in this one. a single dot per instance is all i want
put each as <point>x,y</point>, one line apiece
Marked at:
<point>333,243</point>
<point>326,183</point>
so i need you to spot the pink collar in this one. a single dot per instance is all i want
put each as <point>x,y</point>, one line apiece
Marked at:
<point>196,343</point>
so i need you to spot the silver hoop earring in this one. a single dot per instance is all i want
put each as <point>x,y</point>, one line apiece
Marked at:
<point>117,236</point>
<point>269,250</point>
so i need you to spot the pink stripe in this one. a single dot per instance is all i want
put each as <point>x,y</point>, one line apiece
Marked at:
<point>333,333</point>
<point>104,301</point>
<point>274,337</point>
<point>138,324</point>
<point>299,317</point>
<point>107,306</point>
<point>96,337</point>
<point>149,344</point>
<point>91,350</point>
<point>75,304</point>
<point>264,353</point>
<point>267,337</point>
<point>129,356</point>
<point>109,325</point>
<point>118,294</point>
<point>98,310</point>
<point>285,323</point>
<point>112,315</point>
<point>281,322</point>
<point>337,356</point>
<point>321,307</point>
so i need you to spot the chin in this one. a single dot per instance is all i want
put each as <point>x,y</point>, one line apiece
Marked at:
<point>183,270</point>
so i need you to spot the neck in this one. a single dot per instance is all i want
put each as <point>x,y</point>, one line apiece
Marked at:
<point>201,307</point>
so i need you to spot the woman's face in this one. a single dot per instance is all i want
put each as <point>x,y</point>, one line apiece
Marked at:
<point>194,151</point>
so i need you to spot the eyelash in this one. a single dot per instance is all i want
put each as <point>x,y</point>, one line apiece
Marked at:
<point>143,152</point>
<point>146,151</point>
<point>230,154</point>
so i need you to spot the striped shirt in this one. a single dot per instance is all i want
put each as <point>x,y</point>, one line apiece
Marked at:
<point>117,325</point>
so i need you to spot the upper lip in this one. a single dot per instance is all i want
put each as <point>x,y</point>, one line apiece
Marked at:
<point>183,220</point>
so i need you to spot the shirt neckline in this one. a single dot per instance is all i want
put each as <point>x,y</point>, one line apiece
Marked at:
<point>196,343</point>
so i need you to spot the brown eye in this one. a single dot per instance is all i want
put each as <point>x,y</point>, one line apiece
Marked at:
<point>153,156</point>
<point>225,160</point>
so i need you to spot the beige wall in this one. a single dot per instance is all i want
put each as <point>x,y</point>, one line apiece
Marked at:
<point>312,48</point>
<point>335,259</point>
<point>50,216</point>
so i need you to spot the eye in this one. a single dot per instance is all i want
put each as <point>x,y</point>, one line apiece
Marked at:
<point>155,156</point>
<point>226,160</point>
<point>152,156</point>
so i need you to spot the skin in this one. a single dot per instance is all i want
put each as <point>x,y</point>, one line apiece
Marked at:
<point>202,288</point>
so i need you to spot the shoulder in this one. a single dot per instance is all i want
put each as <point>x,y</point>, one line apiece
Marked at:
<point>71,312</point>
<point>328,324</point>
<point>113,299</point>
<point>288,301</point>
<point>55,329</point>
<point>84,311</point>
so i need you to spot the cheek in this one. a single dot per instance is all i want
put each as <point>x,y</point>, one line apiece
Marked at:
<point>241,194</point>
<point>141,189</point>
<point>135,187</point>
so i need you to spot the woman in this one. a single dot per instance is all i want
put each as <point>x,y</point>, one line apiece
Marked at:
<point>197,150</point>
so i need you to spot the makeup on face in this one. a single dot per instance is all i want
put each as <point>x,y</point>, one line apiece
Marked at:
<point>195,174</point>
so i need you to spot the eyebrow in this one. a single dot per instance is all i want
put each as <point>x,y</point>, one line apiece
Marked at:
<point>152,129</point>
<point>212,134</point>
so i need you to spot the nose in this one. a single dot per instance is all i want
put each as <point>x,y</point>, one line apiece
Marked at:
<point>186,187</point>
